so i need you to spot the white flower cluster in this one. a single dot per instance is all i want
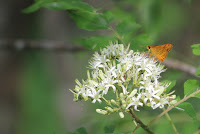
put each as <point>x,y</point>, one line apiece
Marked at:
<point>131,76</point>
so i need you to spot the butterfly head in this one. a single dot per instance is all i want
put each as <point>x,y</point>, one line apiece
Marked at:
<point>148,47</point>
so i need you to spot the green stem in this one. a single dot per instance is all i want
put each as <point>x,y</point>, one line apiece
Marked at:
<point>170,120</point>
<point>117,35</point>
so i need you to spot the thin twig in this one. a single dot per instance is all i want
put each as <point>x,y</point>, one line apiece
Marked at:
<point>170,108</point>
<point>50,45</point>
<point>117,35</point>
<point>178,65</point>
<point>145,127</point>
<point>135,129</point>
<point>170,120</point>
<point>46,45</point>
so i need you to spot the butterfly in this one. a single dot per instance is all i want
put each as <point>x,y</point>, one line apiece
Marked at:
<point>160,51</point>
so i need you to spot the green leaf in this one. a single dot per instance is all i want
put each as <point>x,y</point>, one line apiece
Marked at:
<point>121,15</point>
<point>108,15</point>
<point>191,86</point>
<point>90,20</point>
<point>95,42</point>
<point>109,128</point>
<point>34,7</point>
<point>125,27</point>
<point>140,42</point>
<point>198,71</point>
<point>69,5</point>
<point>59,5</point>
<point>178,98</point>
<point>81,130</point>
<point>188,108</point>
<point>196,49</point>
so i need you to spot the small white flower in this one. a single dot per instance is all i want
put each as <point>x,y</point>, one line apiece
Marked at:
<point>95,95</point>
<point>135,101</point>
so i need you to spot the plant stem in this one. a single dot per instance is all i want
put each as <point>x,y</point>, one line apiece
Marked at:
<point>140,123</point>
<point>170,108</point>
<point>135,129</point>
<point>117,35</point>
<point>170,120</point>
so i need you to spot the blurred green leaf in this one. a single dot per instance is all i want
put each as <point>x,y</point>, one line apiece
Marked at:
<point>121,15</point>
<point>191,86</point>
<point>109,128</point>
<point>178,98</point>
<point>188,108</point>
<point>126,27</point>
<point>198,71</point>
<point>81,130</point>
<point>96,42</point>
<point>108,15</point>
<point>69,5</point>
<point>90,20</point>
<point>59,5</point>
<point>34,7</point>
<point>196,49</point>
<point>140,42</point>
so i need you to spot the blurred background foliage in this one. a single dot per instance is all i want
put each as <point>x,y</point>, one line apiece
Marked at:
<point>35,83</point>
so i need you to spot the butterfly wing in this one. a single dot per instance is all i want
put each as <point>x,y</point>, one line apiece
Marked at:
<point>160,51</point>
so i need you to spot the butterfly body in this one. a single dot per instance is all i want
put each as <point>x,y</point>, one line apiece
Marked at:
<point>160,51</point>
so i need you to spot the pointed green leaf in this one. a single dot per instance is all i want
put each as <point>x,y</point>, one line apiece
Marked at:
<point>140,42</point>
<point>188,108</point>
<point>121,15</point>
<point>90,20</point>
<point>59,5</point>
<point>34,7</point>
<point>69,5</point>
<point>125,27</point>
<point>95,42</point>
<point>191,86</point>
<point>196,49</point>
<point>108,15</point>
<point>198,71</point>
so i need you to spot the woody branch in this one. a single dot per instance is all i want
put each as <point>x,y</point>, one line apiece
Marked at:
<point>48,45</point>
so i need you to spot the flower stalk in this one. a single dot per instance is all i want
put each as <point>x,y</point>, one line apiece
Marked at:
<point>139,123</point>
<point>173,106</point>
<point>170,120</point>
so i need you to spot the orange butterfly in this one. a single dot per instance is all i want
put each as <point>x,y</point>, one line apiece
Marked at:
<point>160,51</point>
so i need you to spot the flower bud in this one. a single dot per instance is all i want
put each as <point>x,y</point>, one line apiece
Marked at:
<point>121,95</point>
<point>110,109</point>
<point>77,88</point>
<point>113,102</point>
<point>121,114</point>
<point>123,106</point>
<point>88,74</point>
<point>132,93</point>
<point>85,98</point>
<point>78,82</point>
<point>101,75</point>
<point>100,111</point>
